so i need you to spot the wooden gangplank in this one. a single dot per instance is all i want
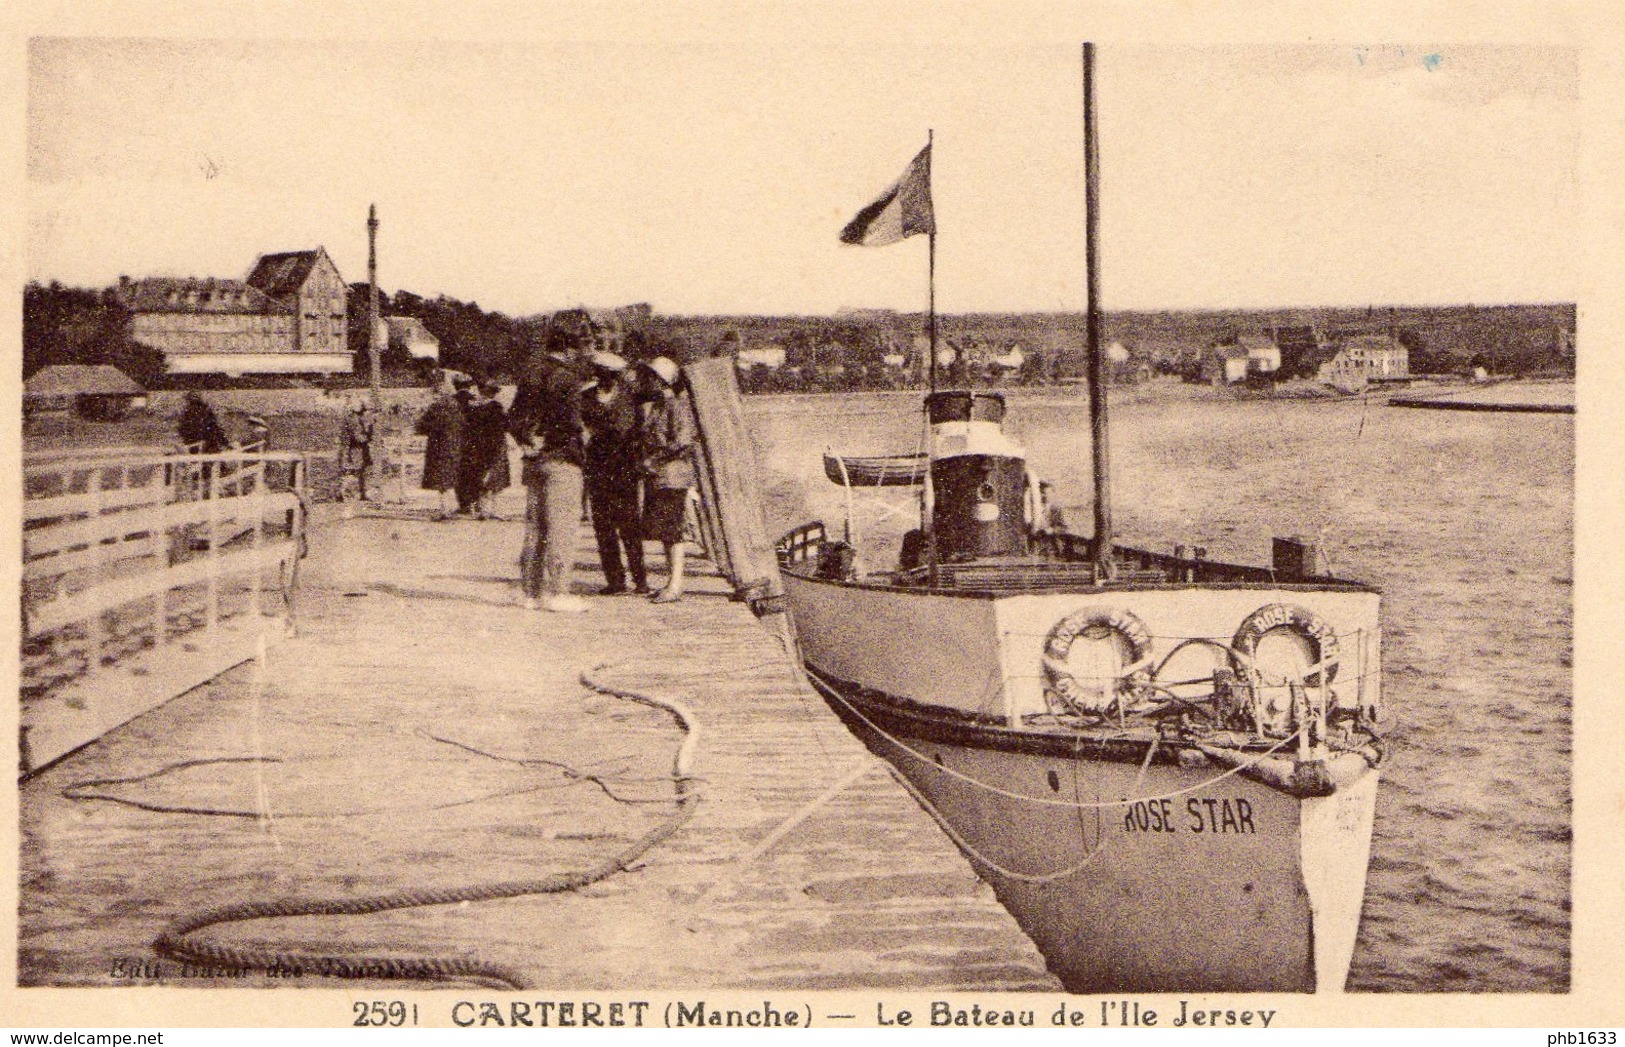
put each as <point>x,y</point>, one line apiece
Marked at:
<point>730,488</point>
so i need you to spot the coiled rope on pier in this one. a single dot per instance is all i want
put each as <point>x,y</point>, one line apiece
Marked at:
<point>178,943</point>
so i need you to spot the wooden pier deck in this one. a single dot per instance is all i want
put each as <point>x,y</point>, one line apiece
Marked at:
<point>422,730</point>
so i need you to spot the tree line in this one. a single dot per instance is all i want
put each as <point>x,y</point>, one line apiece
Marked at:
<point>75,325</point>
<point>72,325</point>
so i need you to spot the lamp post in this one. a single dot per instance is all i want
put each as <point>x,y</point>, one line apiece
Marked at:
<point>374,350</point>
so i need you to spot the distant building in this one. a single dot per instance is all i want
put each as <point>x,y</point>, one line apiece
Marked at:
<point>288,317</point>
<point>1263,355</point>
<point>768,356</point>
<point>98,391</point>
<point>1366,358</point>
<point>1224,364</point>
<point>1013,359</point>
<point>408,334</point>
<point>616,328</point>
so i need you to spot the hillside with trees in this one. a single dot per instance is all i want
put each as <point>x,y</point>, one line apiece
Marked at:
<point>854,349</point>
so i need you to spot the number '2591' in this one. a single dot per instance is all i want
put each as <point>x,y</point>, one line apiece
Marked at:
<point>380,1013</point>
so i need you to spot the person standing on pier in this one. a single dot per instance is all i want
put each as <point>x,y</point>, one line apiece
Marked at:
<point>667,438</point>
<point>613,482</point>
<point>497,476</point>
<point>199,427</point>
<point>355,448</point>
<point>200,433</point>
<point>546,423</point>
<point>446,429</point>
<point>482,442</point>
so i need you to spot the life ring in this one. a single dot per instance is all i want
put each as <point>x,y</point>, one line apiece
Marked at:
<point>1058,678</point>
<point>1301,620</point>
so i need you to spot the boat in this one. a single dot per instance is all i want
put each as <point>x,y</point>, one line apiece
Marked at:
<point>875,470</point>
<point>1165,766</point>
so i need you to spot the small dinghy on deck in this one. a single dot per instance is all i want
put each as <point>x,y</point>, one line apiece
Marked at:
<point>882,470</point>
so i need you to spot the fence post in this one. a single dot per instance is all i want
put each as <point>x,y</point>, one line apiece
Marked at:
<point>212,605</point>
<point>258,514</point>
<point>159,546</point>
<point>296,536</point>
<point>96,624</point>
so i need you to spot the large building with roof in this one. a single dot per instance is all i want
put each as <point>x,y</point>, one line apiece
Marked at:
<point>1362,358</point>
<point>288,317</point>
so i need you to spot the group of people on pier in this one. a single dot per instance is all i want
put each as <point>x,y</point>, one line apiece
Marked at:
<point>593,428</point>
<point>594,432</point>
<point>466,449</point>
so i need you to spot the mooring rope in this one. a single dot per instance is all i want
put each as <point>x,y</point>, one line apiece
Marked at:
<point>1042,800</point>
<point>859,769</point>
<point>177,942</point>
<point>977,856</point>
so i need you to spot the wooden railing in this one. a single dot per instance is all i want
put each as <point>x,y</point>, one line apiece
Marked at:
<point>801,544</point>
<point>402,462</point>
<point>144,575</point>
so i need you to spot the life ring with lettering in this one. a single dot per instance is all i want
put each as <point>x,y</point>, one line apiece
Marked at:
<point>1097,624</point>
<point>1306,623</point>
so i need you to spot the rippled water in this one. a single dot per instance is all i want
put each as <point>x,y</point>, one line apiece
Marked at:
<point>1464,520</point>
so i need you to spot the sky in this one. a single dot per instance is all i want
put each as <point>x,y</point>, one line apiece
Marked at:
<point>713,175</point>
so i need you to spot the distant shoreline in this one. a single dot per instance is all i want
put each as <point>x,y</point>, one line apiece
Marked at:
<point>1518,395</point>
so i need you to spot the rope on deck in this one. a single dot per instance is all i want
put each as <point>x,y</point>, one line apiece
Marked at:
<point>176,942</point>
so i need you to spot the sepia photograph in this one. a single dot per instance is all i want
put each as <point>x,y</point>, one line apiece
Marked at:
<point>597,518</point>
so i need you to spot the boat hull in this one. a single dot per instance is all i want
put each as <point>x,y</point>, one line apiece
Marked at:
<point>1198,883</point>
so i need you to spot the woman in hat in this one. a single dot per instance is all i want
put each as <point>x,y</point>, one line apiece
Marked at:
<point>444,426</point>
<point>667,438</point>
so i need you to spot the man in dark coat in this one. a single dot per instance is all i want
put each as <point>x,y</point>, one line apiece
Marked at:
<point>444,425</point>
<point>485,439</point>
<point>199,428</point>
<point>612,477</point>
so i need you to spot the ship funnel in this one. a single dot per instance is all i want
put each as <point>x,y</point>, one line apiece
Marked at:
<point>978,478</point>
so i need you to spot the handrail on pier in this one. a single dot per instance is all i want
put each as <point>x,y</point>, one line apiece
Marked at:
<point>143,575</point>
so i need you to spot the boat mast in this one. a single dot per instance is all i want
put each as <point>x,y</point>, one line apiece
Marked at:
<point>931,270</point>
<point>1101,546</point>
<point>928,495</point>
